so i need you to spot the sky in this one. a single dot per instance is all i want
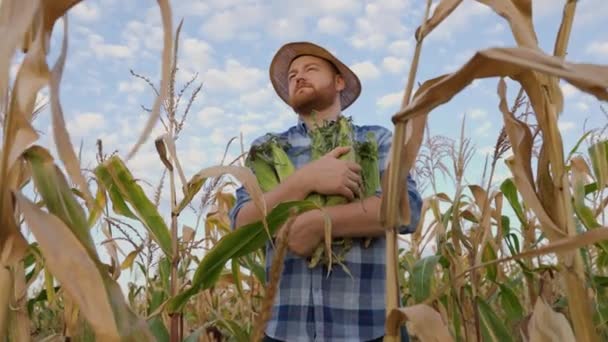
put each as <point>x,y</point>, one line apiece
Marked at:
<point>230,43</point>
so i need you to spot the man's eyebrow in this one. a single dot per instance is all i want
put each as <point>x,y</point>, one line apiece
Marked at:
<point>304,66</point>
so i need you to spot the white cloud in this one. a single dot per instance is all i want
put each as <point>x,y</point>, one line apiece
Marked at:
<point>287,28</point>
<point>393,64</point>
<point>382,20</point>
<point>569,90</point>
<point>210,116</point>
<point>102,49</point>
<point>234,77</point>
<point>482,130</point>
<point>598,48</point>
<point>400,48</point>
<point>335,6</point>
<point>143,36</point>
<point>257,98</point>
<point>366,70</point>
<point>390,100</point>
<point>85,11</point>
<point>486,150</point>
<point>496,29</point>
<point>251,117</point>
<point>85,123</point>
<point>331,25</point>
<point>582,106</point>
<point>227,24</point>
<point>565,126</point>
<point>220,136</point>
<point>316,8</point>
<point>248,129</point>
<point>195,53</point>
<point>477,113</point>
<point>136,86</point>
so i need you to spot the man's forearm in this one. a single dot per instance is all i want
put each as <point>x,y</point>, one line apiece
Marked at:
<point>289,190</point>
<point>351,220</point>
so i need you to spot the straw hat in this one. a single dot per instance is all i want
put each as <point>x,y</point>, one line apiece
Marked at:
<point>288,52</point>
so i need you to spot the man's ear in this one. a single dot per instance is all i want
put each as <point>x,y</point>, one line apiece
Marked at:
<point>340,84</point>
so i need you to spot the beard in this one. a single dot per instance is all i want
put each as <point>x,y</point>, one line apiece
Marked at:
<point>312,99</point>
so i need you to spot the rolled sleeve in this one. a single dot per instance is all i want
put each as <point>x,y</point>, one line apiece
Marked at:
<point>242,197</point>
<point>385,139</point>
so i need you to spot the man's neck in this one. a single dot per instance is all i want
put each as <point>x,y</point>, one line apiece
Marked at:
<point>318,117</point>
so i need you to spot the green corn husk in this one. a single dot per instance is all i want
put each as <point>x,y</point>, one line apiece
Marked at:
<point>264,172</point>
<point>365,153</point>
<point>271,165</point>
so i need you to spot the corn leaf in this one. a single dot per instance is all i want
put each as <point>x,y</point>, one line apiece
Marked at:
<point>158,328</point>
<point>116,177</point>
<point>238,243</point>
<point>510,304</point>
<point>598,153</point>
<point>98,296</point>
<point>191,189</point>
<point>422,277</point>
<point>492,327</point>
<point>57,195</point>
<point>510,192</point>
<point>489,254</point>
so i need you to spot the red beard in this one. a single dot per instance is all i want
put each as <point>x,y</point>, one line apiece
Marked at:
<point>305,101</point>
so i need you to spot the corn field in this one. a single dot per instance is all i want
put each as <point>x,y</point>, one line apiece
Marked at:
<point>521,259</point>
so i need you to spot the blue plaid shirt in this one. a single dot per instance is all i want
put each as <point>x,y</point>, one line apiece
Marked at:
<point>311,306</point>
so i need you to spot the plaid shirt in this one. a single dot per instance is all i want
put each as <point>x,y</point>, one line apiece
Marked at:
<point>311,306</point>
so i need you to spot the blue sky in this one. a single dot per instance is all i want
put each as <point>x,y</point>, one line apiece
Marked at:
<point>230,44</point>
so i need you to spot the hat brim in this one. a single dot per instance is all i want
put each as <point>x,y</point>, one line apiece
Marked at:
<point>288,52</point>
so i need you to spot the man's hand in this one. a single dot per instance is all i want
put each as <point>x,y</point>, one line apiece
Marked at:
<point>331,176</point>
<point>305,233</point>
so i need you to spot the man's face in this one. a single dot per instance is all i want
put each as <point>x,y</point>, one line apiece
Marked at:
<point>313,84</point>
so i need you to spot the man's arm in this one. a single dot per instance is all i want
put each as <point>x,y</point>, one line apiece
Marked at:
<point>349,221</point>
<point>289,190</point>
<point>327,175</point>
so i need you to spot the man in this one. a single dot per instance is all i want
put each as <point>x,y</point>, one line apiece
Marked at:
<point>311,306</point>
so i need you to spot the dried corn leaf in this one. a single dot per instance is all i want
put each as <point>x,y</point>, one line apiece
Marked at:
<point>60,133</point>
<point>165,12</point>
<point>173,153</point>
<point>547,325</point>
<point>442,11</point>
<point>99,298</point>
<point>519,15</point>
<point>563,245</point>
<point>15,20</point>
<point>243,174</point>
<point>6,284</point>
<point>503,62</point>
<point>51,11</point>
<point>423,322</point>
<point>159,143</point>
<point>188,234</point>
<point>20,319</point>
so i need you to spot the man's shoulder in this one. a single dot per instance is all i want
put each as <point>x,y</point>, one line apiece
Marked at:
<point>267,135</point>
<point>378,130</point>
